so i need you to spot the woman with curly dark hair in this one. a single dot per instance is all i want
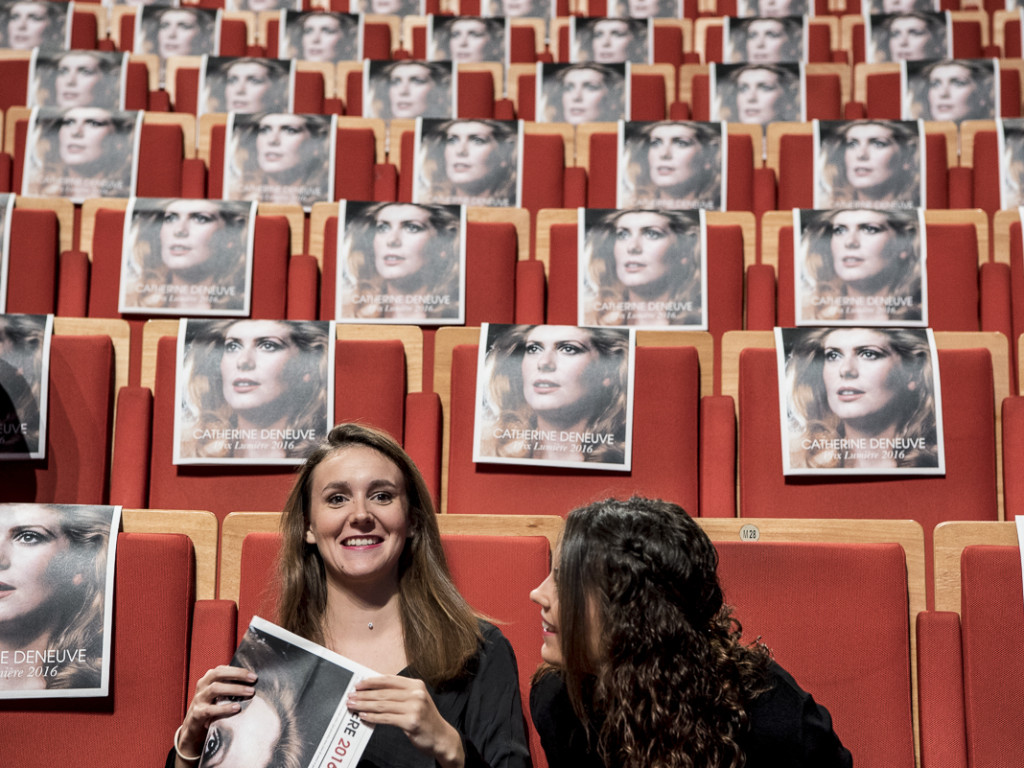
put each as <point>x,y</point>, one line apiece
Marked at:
<point>645,666</point>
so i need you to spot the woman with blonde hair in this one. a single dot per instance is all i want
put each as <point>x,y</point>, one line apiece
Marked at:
<point>407,89</point>
<point>862,265</point>
<point>362,571</point>
<point>644,269</point>
<point>672,164</point>
<point>859,387</point>
<point>954,89</point>
<point>587,92</point>
<point>469,161</point>
<point>871,164</point>
<point>561,382</point>
<point>402,261</point>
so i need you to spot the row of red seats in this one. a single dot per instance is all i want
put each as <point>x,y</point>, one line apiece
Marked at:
<point>900,681</point>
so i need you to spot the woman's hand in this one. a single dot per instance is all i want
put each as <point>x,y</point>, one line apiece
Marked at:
<point>406,704</point>
<point>216,694</point>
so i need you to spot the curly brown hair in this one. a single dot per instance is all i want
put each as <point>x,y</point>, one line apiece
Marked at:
<point>669,677</point>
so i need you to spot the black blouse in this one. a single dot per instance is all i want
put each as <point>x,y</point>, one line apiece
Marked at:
<point>787,728</point>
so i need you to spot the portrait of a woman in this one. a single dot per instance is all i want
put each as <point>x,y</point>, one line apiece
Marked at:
<point>23,347</point>
<point>860,399</point>
<point>909,37</point>
<point>467,39</point>
<point>53,567</point>
<point>554,394</point>
<point>671,164</point>
<point>472,162</point>
<point>28,24</point>
<point>952,89</point>
<point>773,8</point>
<point>362,572</point>
<point>253,390</point>
<point>388,7</point>
<point>514,9</point>
<point>66,79</point>
<point>321,36</point>
<point>188,257</point>
<point>869,164</point>
<point>861,266</point>
<point>81,152</point>
<point>646,9</point>
<point>643,268</point>
<point>645,663</point>
<point>408,88</point>
<point>403,263</point>
<point>757,94</point>
<point>247,85</point>
<point>168,31</point>
<point>1011,162</point>
<point>610,41</point>
<point>898,6</point>
<point>582,93</point>
<point>764,40</point>
<point>280,158</point>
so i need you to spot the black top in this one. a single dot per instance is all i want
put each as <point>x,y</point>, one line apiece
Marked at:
<point>787,728</point>
<point>484,707</point>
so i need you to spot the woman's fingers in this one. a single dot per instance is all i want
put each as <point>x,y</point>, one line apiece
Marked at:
<point>217,695</point>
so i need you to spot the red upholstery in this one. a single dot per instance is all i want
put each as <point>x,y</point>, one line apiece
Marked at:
<point>796,172</point>
<point>836,617</point>
<point>76,469</point>
<point>665,435</point>
<point>132,726</point>
<point>14,76</point>
<point>955,285</point>
<point>884,95</point>
<point>966,492</point>
<point>369,387</point>
<point>993,654</point>
<point>494,573</point>
<point>376,39</point>
<point>233,35</point>
<point>646,94</point>
<point>966,40</point>
<point>725,280</point>
<point>823,99</point>
<point>308,99</point>
<point>603,175</point>
<point>941,690</point>
<point>33,259</point>
<point>819,44</point>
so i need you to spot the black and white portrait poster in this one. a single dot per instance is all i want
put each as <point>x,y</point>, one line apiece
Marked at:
<point>611,40</point>
<point>908,36</point>
<point>859,266</point>
<point>58,599</point>
<point>672,164</point>
<point>66,79</point>
<point>81,152</point>
<point>646,9</point>
<point>28,24</point>
<point>468,39</point>
<point>324,36</point>
<point>297,713</point>
<point>6,216</point>
<point>555,395</point>
<point>950,89</point>
<point>389,7</point>
<point>24,385</point>
<point>869,164</point>
<point>642,268</point>
<point>516,9</point>
<point>276,157</point>
<point>410,88</point>
<point>582,93</point>
<point>165,31</point>
<point>764,40</point>
<point>252,391</point>
<point>757,94</point>
<point>766,8</point>
<point>401,263</point>
<point>859,401</point>
<point>468,162</point>
<point>246,84</point>
<point>257,6</point>
<point>187,257</point>
<point>876,7</point>
<point>1011,162</point>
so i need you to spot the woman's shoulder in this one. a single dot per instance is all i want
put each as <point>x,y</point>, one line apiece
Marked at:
<point>788,727</point>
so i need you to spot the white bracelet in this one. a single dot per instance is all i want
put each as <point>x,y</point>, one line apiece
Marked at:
<point>177,751</point>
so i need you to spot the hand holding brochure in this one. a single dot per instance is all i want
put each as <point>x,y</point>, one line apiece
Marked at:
<point>298,712</point>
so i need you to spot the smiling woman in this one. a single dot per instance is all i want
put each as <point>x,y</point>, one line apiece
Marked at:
<point>362,571</point>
